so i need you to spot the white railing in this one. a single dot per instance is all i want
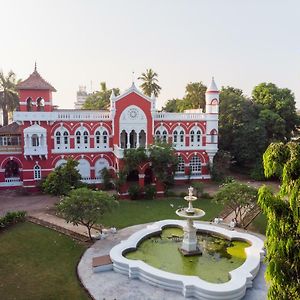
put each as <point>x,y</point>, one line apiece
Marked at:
<point>90,180</point>
<point>11,181</point>
<point>61,115</point>
<point>179,116</point>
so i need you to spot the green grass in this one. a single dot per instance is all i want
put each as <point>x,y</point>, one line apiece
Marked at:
<point>259,224</point>
<point>132,212</point>
<point>38,263</point>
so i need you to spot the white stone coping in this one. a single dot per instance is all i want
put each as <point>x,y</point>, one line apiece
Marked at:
<point>235,288</point>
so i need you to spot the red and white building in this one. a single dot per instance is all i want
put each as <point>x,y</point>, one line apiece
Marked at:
<point>43,137</point>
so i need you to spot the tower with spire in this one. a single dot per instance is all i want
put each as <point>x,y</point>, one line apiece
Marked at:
<point>35,93</point>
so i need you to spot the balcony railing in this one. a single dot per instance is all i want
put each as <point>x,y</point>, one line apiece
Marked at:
<point>36,150</point>
<point>90,180</point>
<point>76,115</point>
<point>11,181</point>
<point>179,116</point>
<point>15,148</point>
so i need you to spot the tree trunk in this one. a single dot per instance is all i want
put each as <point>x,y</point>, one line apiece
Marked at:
<point>89,231</point>
<point>5,116</point>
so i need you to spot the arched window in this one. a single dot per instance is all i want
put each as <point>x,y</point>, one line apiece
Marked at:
<point>157,135</point>
<point>97,135</point>
<point>40,103</point>
<point>78,138</point>
<point>181,136</point>
<point>37,173</point>
<point>35,140</point>
<point>58,138</point>
<point>192,133</point>
<point>105,139</point>
<point>164,136</point>
<point>66,138</point>
<point>29,104</point>
<point>198,136</point>
<point>175,135</point>
<point>213,136</point>
<point>85,137</point>
<point>180,165</point>
<point>195,165</point>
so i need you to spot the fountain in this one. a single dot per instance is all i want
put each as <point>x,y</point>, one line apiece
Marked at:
<point>189,244</point>
<point>192,273</point>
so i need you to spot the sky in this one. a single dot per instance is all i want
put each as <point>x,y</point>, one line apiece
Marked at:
<point>78,42</point>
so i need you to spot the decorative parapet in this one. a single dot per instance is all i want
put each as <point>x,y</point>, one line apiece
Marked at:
<point>191,286</point>
<point>76,115</point>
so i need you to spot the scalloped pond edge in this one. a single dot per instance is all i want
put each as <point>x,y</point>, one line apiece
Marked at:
<point>191,286</point>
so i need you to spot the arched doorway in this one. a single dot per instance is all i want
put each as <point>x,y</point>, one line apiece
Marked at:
<point>148,176</point>
<point>84,168</point>
<point>99,166</point>
<point>11,169</point>
<point>133,176</point>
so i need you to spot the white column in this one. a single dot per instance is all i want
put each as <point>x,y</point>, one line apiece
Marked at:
<point>128,140</point>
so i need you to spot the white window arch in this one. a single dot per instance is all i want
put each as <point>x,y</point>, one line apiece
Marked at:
<point>195,165</point>
<point>60,162</point>
<point>35,141</point>
<point>101,138</point>
<point>61,138</point>
<point>84,168</point>
<point>195,137</point>
<point>161,134</point>
<point>37,172</point>
<point>179,137</point>
<point>213,136</point>
<point>99,166</point>
<point>82,138</point>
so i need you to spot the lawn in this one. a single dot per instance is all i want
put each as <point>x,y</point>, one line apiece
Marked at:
<point>132,212</point>
<point>259,224</point>
<point>39,263</point>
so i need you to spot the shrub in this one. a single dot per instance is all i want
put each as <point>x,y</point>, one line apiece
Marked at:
<point>198,187</point>
<point>134,191</point>
<point>206,196</point>
<point>169,193</point>
<point>257,173</point>
<point>150,192</point>
<point>106,179</point>
<point>12,218</point>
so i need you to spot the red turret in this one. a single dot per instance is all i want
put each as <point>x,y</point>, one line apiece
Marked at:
<point>35,93</point>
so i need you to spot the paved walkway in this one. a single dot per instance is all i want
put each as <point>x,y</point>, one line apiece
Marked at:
<point>80,229</point>
<point>110,285</point>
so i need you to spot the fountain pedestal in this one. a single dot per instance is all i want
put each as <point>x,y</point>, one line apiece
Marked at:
<point>190,244</point>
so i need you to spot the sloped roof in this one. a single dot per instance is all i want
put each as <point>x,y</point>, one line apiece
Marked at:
<point>35,82</point>
<point>11,129</point>
<point>213,87</point>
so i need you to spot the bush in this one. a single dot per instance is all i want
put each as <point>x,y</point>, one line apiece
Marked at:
<point>12,218</point>
<point>206,196</point>
<point>106,179</point>
<point>257,173</point>
<point>63,179</point>
<point>134,191</point>
<point>150,192</point>
<point>198,187</point>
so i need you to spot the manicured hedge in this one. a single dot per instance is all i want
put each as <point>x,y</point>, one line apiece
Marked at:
<point>12,218</point>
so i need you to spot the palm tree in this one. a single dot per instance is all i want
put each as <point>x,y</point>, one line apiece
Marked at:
<point>9,99</point>
<point>149,84</point>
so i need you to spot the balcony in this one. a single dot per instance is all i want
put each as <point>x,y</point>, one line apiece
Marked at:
<point>89,180</point>
<point>36,150</point>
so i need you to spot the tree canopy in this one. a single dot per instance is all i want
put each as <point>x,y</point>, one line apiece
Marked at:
<point>150,83</point>
<point>100,100</point>
<point>86,207</point>
<point>9,99</point>
<point>283,215</point>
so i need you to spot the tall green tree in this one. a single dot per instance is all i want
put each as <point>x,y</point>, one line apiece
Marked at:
<point>150,83</point>
<point>9,99</point>
<point>280,101</point>
<point>283,215</point>
<point>100,99</point>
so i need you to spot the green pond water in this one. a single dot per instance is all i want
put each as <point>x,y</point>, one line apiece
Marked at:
<point>219,256</point>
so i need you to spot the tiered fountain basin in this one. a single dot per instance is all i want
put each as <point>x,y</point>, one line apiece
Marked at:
<point>238,280</point>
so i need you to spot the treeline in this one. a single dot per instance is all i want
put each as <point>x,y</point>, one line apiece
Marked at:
<point>247,125</point>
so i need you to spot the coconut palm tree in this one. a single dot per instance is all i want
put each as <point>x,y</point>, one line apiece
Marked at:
<point>149,84</point>
<point>9,99</point>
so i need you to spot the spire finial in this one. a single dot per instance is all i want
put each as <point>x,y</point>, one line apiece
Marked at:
<point>132,77</point>
<point>35,67</point>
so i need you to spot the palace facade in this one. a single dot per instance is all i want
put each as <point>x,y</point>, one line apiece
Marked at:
<point>43,137</point>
